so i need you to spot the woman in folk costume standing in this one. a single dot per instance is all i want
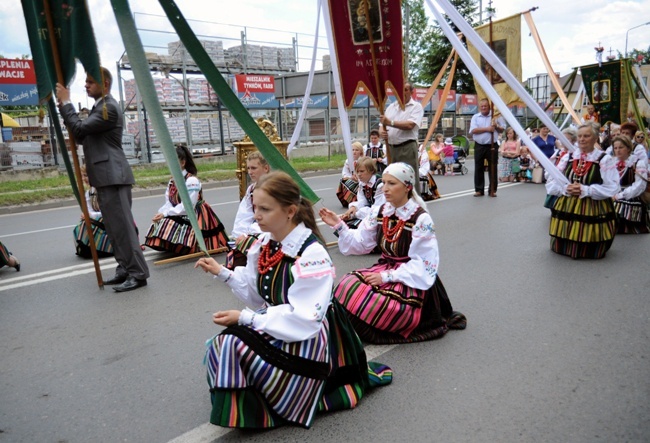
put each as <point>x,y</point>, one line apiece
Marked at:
<point>583,220</point>
<point>293,352</point>
<point>171,230</point>
<point>400,299</point>
<point>631,211</point>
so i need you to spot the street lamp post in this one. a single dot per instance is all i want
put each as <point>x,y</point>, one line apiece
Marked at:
<point>628,31</point>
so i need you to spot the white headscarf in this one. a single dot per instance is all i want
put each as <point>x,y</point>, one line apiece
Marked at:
<point>405,174</point>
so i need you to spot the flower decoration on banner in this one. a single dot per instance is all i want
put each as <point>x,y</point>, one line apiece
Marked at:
<point>599,54</point>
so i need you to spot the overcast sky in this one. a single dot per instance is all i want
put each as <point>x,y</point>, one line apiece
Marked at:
<point>569,29</point>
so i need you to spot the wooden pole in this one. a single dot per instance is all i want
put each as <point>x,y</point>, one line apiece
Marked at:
<point>190,256</point>
<point>73,147</point>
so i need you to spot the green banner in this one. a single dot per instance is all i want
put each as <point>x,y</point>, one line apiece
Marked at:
<point>607,90</point>
<point>143,79</point>
<point>73,31</point>
<point>229,99</point>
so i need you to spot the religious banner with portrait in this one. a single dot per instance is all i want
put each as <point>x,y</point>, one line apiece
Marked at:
<point>506,44</point>
<point>368,45</point>
<point>606,90</point>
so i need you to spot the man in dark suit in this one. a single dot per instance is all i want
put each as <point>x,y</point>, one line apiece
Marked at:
<point>110,173</point>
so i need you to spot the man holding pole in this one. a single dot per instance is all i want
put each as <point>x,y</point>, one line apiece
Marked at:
<point>400,129</point>
<point>485,131</point>
<point>110,173</point>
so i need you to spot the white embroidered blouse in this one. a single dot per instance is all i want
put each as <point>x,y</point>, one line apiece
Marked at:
<point>245,223</point>
<point>193,188</point>
<point>309,296</point>
<point>420,272</point>
<point>362,204</point>
<point>608,172</point>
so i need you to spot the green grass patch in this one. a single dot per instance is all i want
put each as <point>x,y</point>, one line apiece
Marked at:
<point>29,191</point>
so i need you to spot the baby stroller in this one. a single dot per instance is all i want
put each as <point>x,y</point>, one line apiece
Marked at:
<point>461,151</point>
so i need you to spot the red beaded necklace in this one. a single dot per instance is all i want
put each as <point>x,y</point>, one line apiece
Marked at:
<point>620,166</point>
<point>268,260</point>
<point>391,235</point>
<point>581,166</point>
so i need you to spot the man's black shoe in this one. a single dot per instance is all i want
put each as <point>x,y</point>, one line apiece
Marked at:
<point>116,280</point>
<point>130,284</point>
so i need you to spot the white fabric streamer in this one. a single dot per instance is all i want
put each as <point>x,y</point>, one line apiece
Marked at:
<point>507,76</point>
<point>310,80</point>
<point>343,113</point>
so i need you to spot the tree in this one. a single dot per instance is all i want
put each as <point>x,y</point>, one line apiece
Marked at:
<point>429,48</point>
<point>638,55</point>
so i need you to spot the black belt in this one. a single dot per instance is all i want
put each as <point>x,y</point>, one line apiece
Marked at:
<point>403,143</point>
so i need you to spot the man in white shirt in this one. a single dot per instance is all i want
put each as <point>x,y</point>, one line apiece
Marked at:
<point>400,129</point>
<point>485,131</point>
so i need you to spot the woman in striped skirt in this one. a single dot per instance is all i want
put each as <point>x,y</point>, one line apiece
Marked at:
<point>171,231</point>
<point>6,259</point>
<point>631,211</point>
<point>82,241</point>
<point>292,352</point>
<point>583,220</point>
<point>347,189</point>
<point>400,299</point>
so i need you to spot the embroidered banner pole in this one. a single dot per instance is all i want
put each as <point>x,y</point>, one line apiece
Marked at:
<point>58,34</point>
<point>547,63</point>
<point>368,46</point>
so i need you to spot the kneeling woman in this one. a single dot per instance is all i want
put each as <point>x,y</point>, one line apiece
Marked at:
<point>632,212</point>
<point>583,220</point>
<point>401,298</point>
<point>369,192</point>
<point>171,230</point>
<point>294,353</point>
<point>82,241</point>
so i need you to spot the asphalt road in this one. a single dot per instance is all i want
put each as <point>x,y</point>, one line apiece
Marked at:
<point>556,350</point>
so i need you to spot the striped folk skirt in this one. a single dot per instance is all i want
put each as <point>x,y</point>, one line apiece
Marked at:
<point>237,256</point>
<point>82,242</point>
<point>632,216</point>
<point>257,381</point>
<point>347,191</point>
<point>175,234</point>
<point>429,187</point>
<point>394,312</point>
<point>582,227</point>
<point>4,255</point>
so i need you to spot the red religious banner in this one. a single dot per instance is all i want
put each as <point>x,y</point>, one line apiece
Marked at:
<point>17,71</point>
<point>368,45</point>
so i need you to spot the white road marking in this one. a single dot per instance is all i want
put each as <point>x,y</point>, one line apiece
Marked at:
<point>208,432</point>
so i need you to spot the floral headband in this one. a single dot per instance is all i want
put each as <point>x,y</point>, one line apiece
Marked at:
<point>402,172</point>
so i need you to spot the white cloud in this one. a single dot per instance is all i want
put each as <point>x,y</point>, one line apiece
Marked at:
<point>568,29</point>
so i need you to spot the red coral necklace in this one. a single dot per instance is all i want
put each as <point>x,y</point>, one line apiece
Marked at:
<point>391,235</point>
<point>268,260</point>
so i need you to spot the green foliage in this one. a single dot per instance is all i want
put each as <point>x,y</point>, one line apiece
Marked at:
<point>429,48</point>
